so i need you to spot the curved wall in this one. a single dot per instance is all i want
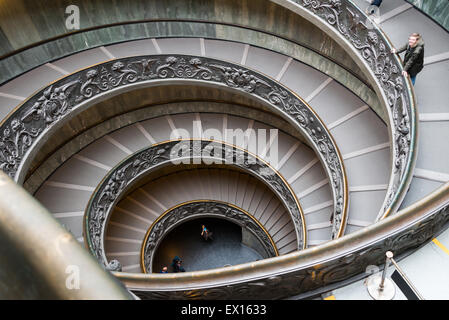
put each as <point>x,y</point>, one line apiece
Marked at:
<point>43,25</point>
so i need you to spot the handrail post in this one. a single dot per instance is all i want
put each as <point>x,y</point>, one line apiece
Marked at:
<point>389,255</point>
<point>379,287</point>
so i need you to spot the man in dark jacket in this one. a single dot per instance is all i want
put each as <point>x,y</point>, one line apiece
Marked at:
<point>414,56</point>
<point>176,264</point>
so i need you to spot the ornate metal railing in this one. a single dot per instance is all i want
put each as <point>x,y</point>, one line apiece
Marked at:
<point>27,127</point>
<point>339,260</point>
<point>370,47</point>
<point>298,272</point>
<point>130,171</point>
<point>321,268</point>
<point>183,212</point>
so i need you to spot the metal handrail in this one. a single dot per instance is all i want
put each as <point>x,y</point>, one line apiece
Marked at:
<point>316,267</point>
<point>407,280</point>
<point>42,260</point>
<point>403,119</point>
<point>370,48</point>
<point>25,129</point>
<point>320,268</point>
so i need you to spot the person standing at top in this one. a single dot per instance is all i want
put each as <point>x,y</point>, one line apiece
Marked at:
<point>414,56</point>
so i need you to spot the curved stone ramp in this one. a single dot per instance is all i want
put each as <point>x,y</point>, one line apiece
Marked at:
<point>431,93</point>
<point>68,190</point>
<point>422,173</point>
<point>136,213</point>
<point>398,19</point>
<point>361,136</point>
<point>424,181</point>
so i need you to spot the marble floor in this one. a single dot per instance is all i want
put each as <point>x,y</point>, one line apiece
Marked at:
<point>197,254</point>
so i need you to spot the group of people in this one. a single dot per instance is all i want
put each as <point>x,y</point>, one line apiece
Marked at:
<point>414,49</point>
<point>176,264</point>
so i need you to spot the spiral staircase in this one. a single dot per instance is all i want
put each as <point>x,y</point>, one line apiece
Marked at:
<point>363,173</point>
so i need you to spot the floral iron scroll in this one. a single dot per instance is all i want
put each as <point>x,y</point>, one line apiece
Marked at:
<point>307,276</point>
<point>123,177</point>
<point>202,208</point>
<point>372,45</point>
<point>22,130</point>
<point>349,259</point>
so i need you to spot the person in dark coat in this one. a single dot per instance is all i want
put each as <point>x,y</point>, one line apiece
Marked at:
<point>414,56</point>
<point>176,265</point>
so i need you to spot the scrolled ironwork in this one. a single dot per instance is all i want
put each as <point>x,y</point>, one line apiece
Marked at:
<point>21,131</point>
<point>201,208</point>
<point>125,174</point>
<point>308,270</point>
<point>373,47</point>
<point>114,265</point>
